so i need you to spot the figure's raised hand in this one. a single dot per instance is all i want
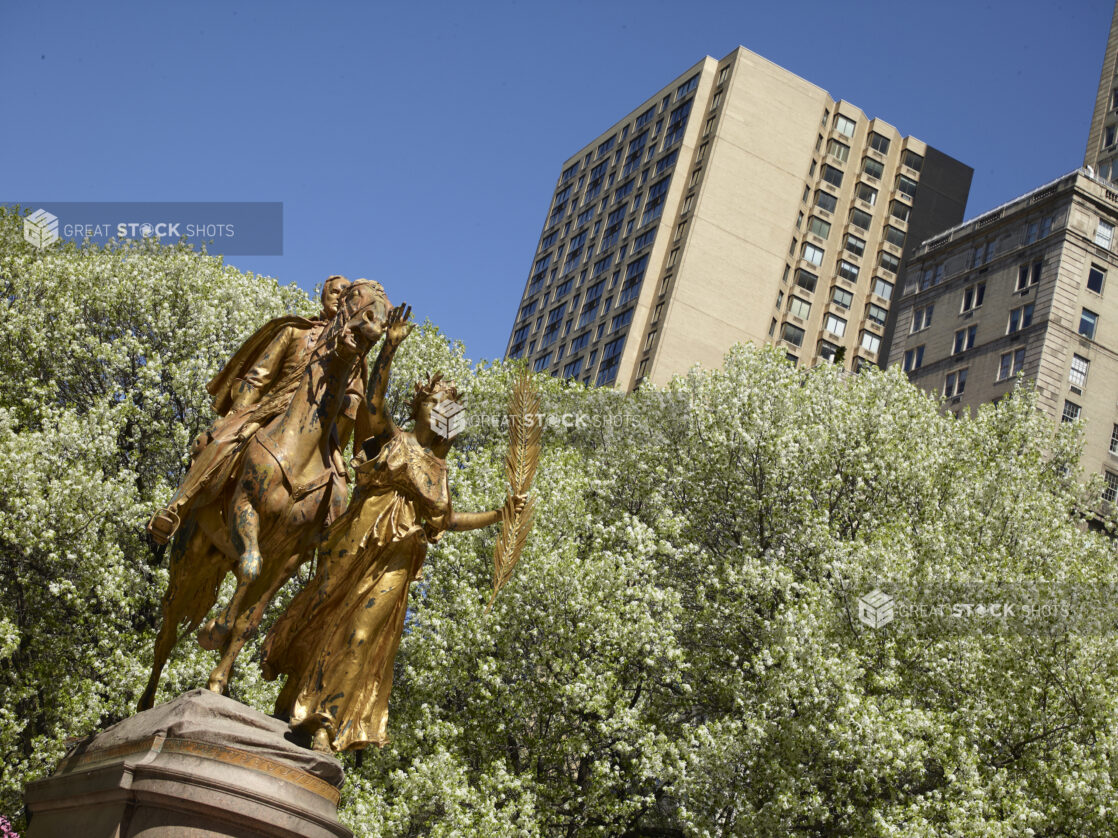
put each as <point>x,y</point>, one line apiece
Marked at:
<point>399,325</point>
<point>516,504</point>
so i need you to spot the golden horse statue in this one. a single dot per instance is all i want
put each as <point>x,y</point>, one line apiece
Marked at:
<point>284,493</point>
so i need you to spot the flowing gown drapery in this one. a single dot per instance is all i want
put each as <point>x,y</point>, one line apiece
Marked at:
<point>338,638</point>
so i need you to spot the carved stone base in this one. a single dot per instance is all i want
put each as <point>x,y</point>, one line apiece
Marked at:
<point>201,765</point>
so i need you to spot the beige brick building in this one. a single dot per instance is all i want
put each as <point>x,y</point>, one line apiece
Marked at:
<point>1029,288</point>
<point>739,203</point>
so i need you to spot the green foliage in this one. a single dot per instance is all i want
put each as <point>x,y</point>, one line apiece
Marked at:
<point>678,652</point>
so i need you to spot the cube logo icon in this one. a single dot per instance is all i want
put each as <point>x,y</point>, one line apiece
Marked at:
<point>875,609</point>
<point>40,229</point>
<point>448,419</point>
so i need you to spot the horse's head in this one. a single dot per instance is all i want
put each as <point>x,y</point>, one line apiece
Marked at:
<point>362,314</point>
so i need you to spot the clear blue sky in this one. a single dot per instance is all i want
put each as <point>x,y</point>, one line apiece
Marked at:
<point>418,143</point>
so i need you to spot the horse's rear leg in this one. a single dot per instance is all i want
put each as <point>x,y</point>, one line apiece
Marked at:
<point>196,570</point>
<point>218,633</point>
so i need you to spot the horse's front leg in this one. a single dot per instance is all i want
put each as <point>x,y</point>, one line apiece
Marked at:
<point>258,594</point>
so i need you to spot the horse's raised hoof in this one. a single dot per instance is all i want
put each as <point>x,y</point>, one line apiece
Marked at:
<point>211,636</point>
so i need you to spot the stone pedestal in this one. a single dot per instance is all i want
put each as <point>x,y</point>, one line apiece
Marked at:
<point>201,765</point>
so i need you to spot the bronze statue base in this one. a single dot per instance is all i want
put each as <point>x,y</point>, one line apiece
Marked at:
<point>201,765</point>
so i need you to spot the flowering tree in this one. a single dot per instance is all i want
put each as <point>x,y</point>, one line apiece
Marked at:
<point>104,357</point>
<point>679,651</point>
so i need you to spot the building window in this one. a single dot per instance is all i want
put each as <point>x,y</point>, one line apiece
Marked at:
<point>792,334</point>
<point>873,168</point>
<point>1110,491</point>
<point>838,150</point>
<point>572,369</point>
<point>611,357</point>
<point>876,314</point>
<point>860,218</point>
<point>828,351</point>
<point>806,279</point>
<point>906,186</point>
<point>813,254</point>
<point>799,308</point>
<point>964,340</point>
<point>866,193</point>
<point>870,342</point>
<point>819,227</point>
<point>841,297</point>
<point>1020,318</point>
<point>1011,364</point>
<point>879,142</point>
<point>579,343</point>
<point>848,270</point>
<point>1072,411</point>
<point>1077,375</point>
<point>844,125</point>
<point>1114,440</point>
<point>665,162</point>
<point>933,275</point>
<point>913,358</point>
<point>1088,323</point>
<point>1038,230</point>
<point>723,75</point>
<point>620,321</point>
<point>888,261</point>
<point>1028,275</point>
<point>542,362</point>
<point>899,210</point>
<point>955,383</point>
<point>654,205</point>
<point>825,200</point>
<point>835,325</point>
<point>972,296</point>
<point>1095,278</point>
<point>895,237</point>
<point>1104,234</point>
<point>676,123</point>
<point>913,160</point>
<point>883,288</point>
<point>832,175</point>
<point>855,245</point>
<point>642,241</point>
<point>922,318</point>
<point>687,86</point>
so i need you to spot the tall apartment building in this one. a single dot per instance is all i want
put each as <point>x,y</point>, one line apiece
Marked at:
<point>1102,139</point>
<point>1029,288</point>
<point>738,203</point>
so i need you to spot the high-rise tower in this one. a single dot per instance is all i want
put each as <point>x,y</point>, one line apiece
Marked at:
<point>739,203</point>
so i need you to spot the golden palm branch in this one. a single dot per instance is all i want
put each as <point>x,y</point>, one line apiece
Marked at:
<point>520,469</point>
